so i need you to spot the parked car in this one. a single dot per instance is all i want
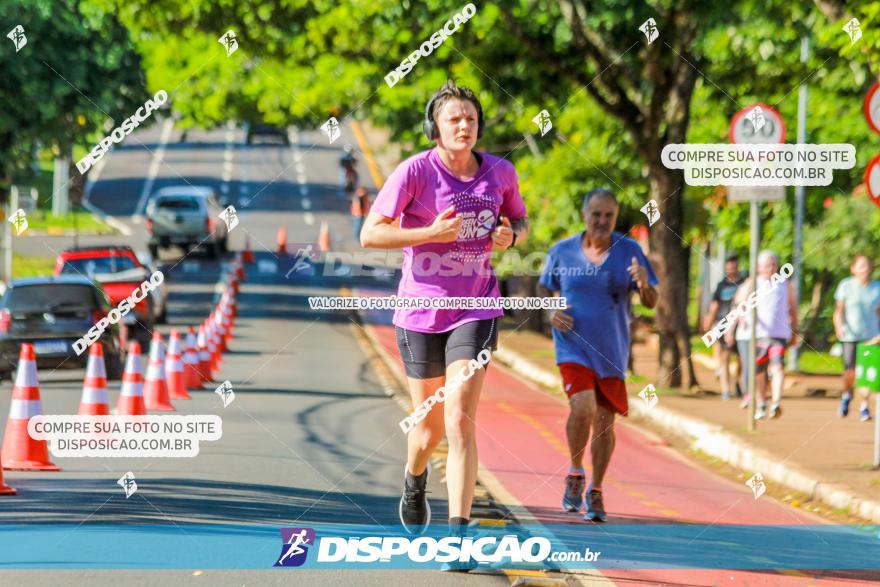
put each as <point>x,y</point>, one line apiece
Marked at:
<point>259,129</point>
<point>185,216</point>
<point>53,313</point>
<point>119,271</point>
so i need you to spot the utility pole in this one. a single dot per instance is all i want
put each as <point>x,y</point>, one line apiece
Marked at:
<point>799,194</point>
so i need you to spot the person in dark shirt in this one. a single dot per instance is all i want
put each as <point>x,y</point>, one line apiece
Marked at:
<point>722,301</point>
<point>360,206</point>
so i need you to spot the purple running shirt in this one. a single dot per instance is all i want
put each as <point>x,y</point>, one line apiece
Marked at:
<point>418,191</point>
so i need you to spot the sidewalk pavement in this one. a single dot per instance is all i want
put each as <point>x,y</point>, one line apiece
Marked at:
<point>809,449</point>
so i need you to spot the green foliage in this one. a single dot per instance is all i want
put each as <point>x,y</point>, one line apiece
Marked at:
<point>300,60</point>
<point>97,79</point>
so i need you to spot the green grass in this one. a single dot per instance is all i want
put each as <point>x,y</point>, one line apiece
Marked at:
<point>819,363</point>
<point>697,346</point>
<point>85,222</point>
<point>27,266</point>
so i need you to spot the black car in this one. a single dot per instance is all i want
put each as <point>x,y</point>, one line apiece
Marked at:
<point>267,130</point>
<point>53,313</point>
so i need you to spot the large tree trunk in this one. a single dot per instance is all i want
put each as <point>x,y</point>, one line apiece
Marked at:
<point>676,368</point>
<point>815,309</point>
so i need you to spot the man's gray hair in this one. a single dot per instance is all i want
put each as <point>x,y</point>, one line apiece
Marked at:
<point>767,255</point>
<point>598,193</point>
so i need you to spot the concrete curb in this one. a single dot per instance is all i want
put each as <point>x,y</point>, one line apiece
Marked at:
<point>711,439</point>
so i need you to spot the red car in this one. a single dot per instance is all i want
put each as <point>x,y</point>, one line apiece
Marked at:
<point>120,272</point>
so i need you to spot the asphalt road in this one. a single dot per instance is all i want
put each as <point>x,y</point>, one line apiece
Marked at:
<point>311,436</point>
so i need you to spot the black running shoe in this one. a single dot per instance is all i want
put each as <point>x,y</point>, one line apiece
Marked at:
<point>457,566</point>
<point>595,507</point>
<point>415,512</point>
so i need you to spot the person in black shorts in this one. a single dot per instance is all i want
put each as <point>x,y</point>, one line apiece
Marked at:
<point>722,301</point>
<point>448,208</point>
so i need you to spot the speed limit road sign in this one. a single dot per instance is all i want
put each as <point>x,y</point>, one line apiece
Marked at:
<point>872,107</point>
<point>872,179</point>
<point>746,129</point>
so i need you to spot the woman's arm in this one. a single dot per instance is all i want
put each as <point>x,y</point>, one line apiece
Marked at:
<point>381,232</point>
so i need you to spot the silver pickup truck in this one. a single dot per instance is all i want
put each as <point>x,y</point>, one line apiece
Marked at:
<point>185,216</point>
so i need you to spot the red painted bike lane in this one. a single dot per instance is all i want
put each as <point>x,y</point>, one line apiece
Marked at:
<point>521,439</point>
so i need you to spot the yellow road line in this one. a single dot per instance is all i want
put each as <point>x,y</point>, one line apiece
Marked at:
<point>361,138</point>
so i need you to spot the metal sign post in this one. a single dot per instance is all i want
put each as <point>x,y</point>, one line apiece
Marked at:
<point>745,130</point>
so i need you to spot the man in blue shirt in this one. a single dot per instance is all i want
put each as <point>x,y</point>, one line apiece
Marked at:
<point>595,271</point>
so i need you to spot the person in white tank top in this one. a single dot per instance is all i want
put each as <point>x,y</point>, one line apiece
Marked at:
<point>777,328</point>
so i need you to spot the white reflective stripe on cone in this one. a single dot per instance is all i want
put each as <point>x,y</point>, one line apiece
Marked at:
<point>25,409</point>
<point>172,366</point>
<point>95,395</point>
<point>155,371</point>
<point>95,366</point>
<point>132,389</point>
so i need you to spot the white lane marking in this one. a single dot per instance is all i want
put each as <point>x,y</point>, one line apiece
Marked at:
<point>304,190</point>
<point>309,218</point>
<point>307,203</point>
<point>153,171</point>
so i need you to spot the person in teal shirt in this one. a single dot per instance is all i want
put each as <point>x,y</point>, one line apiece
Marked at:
<point>856,320</point>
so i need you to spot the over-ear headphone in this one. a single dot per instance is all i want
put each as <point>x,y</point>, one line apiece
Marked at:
<point>430,126</point>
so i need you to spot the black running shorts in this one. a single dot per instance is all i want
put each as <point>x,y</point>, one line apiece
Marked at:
<point>426,355</point>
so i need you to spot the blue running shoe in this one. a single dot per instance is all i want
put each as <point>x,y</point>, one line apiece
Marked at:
<point>573,499</point>
<point>864,414</point>
<point>595,507</point>
<point>843,409</point>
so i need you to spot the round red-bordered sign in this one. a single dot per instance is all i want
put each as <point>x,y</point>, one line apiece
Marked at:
<point>773,123</point>
<point>872,105</point>
<point>873,172</point>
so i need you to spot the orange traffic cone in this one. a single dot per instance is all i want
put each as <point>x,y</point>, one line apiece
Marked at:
<point>20,451</point>
<point>282,240</point>
<point>248,253</point>
<point>4,488</point>
<point>131,398</point>
<point>227,323</point>
<point>156,389</point>
<point>324,242</point>
<point>220,328</point>
<point>95,401</point>
<point>239,266</point>
<point>217,357</point>
<point>191,361</point>
<point>234,306</point>
<point>204,356</point>
<point>175,375</point>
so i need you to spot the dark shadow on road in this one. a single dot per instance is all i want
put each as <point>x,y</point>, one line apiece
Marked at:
<point>53,500</point>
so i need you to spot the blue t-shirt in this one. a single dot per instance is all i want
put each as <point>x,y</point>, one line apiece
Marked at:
<point>598,297</point>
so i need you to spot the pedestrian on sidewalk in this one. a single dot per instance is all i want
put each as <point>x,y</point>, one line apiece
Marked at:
<point>595,271</point>
<point>360,205</point>
<point>777,328</point>
<point>722,301</point>
<point>455,204</point>
<point>856,321</point>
